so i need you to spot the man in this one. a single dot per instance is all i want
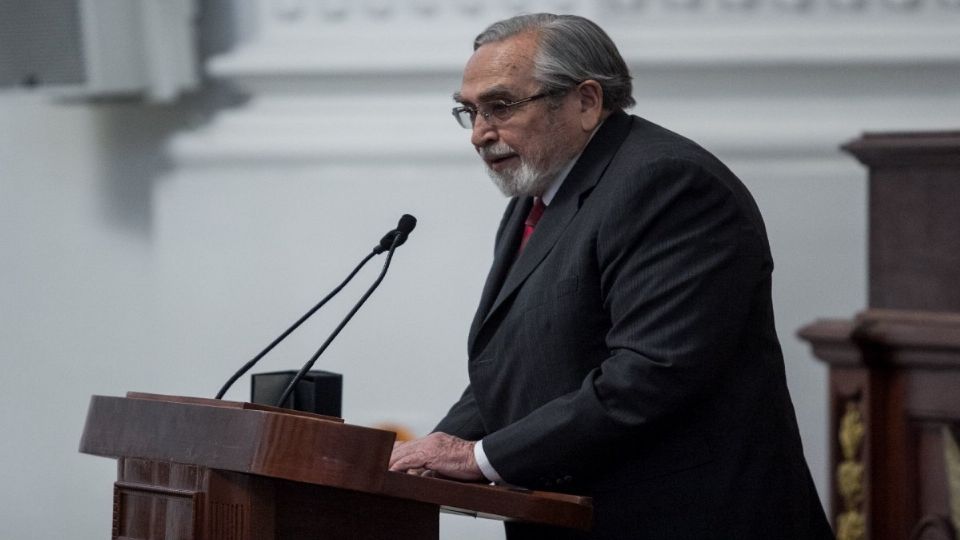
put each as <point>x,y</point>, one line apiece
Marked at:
<point>624,346</point>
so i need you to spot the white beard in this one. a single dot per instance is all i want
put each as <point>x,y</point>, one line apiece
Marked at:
<point>526,180</point>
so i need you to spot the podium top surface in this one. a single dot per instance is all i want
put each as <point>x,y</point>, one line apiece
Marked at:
<point>301,447</point>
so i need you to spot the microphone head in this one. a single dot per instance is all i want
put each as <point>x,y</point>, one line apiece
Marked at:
<point>406,224</point>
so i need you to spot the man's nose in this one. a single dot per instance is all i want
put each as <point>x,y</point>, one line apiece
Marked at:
<point>483,132</point>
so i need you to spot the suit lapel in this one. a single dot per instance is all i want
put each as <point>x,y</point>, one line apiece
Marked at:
<point>506,249</point>
<point>581,180</point>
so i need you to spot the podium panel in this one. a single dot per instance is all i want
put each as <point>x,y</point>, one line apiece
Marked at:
<point>155,499</point>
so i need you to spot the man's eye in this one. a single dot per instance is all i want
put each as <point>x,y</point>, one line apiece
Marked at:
<point>498,107</point>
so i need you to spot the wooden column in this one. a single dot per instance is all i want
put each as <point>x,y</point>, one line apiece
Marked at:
<point>895,367</point>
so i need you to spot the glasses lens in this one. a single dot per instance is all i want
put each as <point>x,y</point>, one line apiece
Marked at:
<point>464,117</point>
<point>501,110</point>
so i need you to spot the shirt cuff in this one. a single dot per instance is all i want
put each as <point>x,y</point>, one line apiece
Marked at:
<point>485,467</point>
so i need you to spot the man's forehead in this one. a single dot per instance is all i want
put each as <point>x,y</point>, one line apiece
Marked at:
<point>502,67</point>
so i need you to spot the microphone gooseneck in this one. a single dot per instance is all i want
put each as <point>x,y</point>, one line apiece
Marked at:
<point>246,367</point>
<point>392,239</point>
<point>306,367</point>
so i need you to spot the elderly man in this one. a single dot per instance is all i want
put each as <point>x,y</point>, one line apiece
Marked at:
<point>624,346</point>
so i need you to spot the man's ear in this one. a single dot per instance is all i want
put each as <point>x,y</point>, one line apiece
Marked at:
<point>590,96</point>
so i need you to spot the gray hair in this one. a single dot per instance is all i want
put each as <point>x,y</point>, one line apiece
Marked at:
<point>571,50</point>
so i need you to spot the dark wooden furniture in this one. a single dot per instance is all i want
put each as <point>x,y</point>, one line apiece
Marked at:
<point>191,468</point>
<point>895,367</point>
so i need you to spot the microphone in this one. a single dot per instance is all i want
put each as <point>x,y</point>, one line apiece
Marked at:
<point>406,224</point>
<point>397,237</point>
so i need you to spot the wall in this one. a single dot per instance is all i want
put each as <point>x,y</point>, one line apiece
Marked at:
<point>78,296</point>
<point>156,248</point>
<point>79,286</point>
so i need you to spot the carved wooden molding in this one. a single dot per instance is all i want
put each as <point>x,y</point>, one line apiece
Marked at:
<point>337,81</point>
<point>299,37</point>
<point>298,14</point>
<point>896,338</point>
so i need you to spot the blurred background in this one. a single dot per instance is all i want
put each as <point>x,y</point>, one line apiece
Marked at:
<point>158,231</point>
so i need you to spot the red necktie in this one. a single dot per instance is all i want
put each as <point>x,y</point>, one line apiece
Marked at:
<point>531,223</point>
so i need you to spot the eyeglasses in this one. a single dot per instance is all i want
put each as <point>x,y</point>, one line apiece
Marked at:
<point>466,115</point>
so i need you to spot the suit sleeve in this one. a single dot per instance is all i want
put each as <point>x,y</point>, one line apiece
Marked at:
<point>679,258</point>
<point>463,419</point>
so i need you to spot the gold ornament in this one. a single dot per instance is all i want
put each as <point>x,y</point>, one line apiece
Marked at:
<point>851,523</point>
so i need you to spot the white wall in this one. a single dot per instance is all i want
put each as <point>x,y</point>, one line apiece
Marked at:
<point>77,299</point>
<point>148,249</point>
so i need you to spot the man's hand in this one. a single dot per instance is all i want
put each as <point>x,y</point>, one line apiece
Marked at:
<point>437,453</point>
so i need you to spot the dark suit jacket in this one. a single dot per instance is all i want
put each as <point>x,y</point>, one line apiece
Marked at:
<point>629,353</point>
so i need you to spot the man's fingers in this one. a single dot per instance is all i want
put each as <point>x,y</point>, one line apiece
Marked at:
<point>417,454</point>
<point>437,454</point>
<point>406,464</point>
<point>407,456</point>
<point>398,460</point>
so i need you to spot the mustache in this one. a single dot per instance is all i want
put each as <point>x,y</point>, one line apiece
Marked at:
<point>496,151</point>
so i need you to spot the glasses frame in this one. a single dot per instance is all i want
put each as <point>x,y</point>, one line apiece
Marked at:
<point>499,109</point>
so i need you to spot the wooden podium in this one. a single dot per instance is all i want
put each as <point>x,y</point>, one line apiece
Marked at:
<point>192,468</point>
